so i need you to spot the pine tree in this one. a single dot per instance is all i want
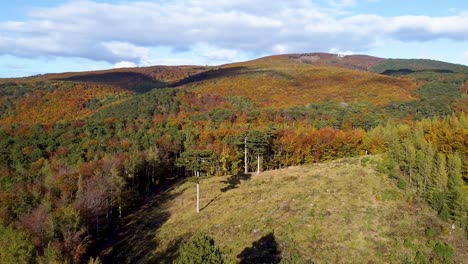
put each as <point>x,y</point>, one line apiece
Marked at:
<point>200,249</point>
<point>440,178</point>
<point>15,246</point>
<point>427,166</point>
<point>96,260</point>
<point>457,198</point>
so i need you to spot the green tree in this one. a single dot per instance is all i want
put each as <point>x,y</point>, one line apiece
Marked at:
<point>96,260</point>
<point>258,143</point>
<point>196,160</point>
<point>15,246</point>
<point>440,178</point>
<point>456,194</point>
<point>200,249</point>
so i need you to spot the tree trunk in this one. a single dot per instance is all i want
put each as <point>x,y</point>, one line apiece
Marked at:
<point>246,169</point>
<point>198,192</point>
<point>258,164</point>
<point>410,174</point>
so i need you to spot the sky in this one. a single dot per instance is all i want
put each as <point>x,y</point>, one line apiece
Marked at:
<point>48,36</point>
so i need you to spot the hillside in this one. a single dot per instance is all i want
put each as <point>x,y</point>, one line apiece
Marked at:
<point>79,151</point>
<point>51,98</point>
<point>281,81</point>
<point>361,62</point>
<point>282,84</point>
<point>336,212</point>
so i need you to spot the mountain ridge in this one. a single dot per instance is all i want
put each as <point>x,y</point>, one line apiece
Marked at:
<point>283,81</point>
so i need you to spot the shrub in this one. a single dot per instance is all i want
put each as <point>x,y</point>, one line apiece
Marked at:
<point>364,161</point>
<point>420,258</point>
<point>402,184</point>
<point>199,249</point>
<point>443,252</point>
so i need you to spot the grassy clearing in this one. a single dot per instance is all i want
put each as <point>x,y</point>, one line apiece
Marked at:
<point>336,212</point>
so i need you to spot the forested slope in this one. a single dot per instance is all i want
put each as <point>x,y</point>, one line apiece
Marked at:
<point>78,151</point>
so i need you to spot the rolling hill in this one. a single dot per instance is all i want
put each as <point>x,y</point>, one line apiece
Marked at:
<point>341,212</point>
<point>80,153</point>
<point>276,81</point>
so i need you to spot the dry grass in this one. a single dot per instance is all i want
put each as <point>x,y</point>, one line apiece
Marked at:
<point>336,212</point>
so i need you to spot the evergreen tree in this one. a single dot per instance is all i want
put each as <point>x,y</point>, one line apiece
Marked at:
<point>456,195</point>
<point>200,249</point>
<point>15,246</point>
<point>440,178</point>
<point>96,260</point>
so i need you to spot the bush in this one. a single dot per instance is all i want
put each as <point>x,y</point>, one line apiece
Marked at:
<point>438,201</point>
<point>443,252</point>
<point>444,213</point>
<point>402,184</point>
<point>199,249</point>
<point>364,161</point>
<point>430,232</point>
<point>420,258</point>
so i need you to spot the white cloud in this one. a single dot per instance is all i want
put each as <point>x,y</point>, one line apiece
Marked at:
<point>342,3</point>
<point>211,52</point>
<point>125,64</point>
<point>280,48</point>
<point>465,55</point>
<point>128,51</point>
<point>216,31</point>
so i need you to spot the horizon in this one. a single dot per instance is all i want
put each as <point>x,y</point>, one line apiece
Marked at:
<point>56,36</point>
<point>183,65</point>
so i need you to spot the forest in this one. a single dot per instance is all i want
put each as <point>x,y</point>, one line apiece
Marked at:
<point>77,153</point>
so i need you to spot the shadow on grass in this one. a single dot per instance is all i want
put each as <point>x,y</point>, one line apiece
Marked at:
<point>170,254</point>
<point>212,200</point>
<point>234,181</point>
<point>134,81</point>
<point>134,241</point>
<point>264,250</point>
<point>230,72</point>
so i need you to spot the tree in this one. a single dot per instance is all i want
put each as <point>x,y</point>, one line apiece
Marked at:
<point>258,143</point>
<point>196,161</point>
<point>16,246</point>
<point>456,194</point>
<point>440,178</point>
<point>200,249</point>
<point>96,260</point>
<point>410,156</point>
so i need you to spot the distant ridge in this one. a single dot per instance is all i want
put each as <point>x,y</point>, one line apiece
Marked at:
<point>278,81</point>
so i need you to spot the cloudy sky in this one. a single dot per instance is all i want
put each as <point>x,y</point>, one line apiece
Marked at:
<point>76,35</point>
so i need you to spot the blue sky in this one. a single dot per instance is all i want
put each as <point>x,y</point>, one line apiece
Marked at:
<point>59,36</point>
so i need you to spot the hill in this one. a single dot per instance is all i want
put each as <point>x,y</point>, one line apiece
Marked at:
<point>79,151</point>
<point>285,84</point>
<point>362,62</point>
<point>340,211</point>
<point>281,81</point>
<point>51,98</point>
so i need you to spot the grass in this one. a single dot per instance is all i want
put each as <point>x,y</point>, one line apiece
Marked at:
<point>335,212</point>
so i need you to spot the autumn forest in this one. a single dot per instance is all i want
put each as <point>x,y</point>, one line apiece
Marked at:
<point>80,151</point>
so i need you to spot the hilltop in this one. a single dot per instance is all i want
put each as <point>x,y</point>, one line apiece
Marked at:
<point>339,211</point>
<point>282,81</point>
